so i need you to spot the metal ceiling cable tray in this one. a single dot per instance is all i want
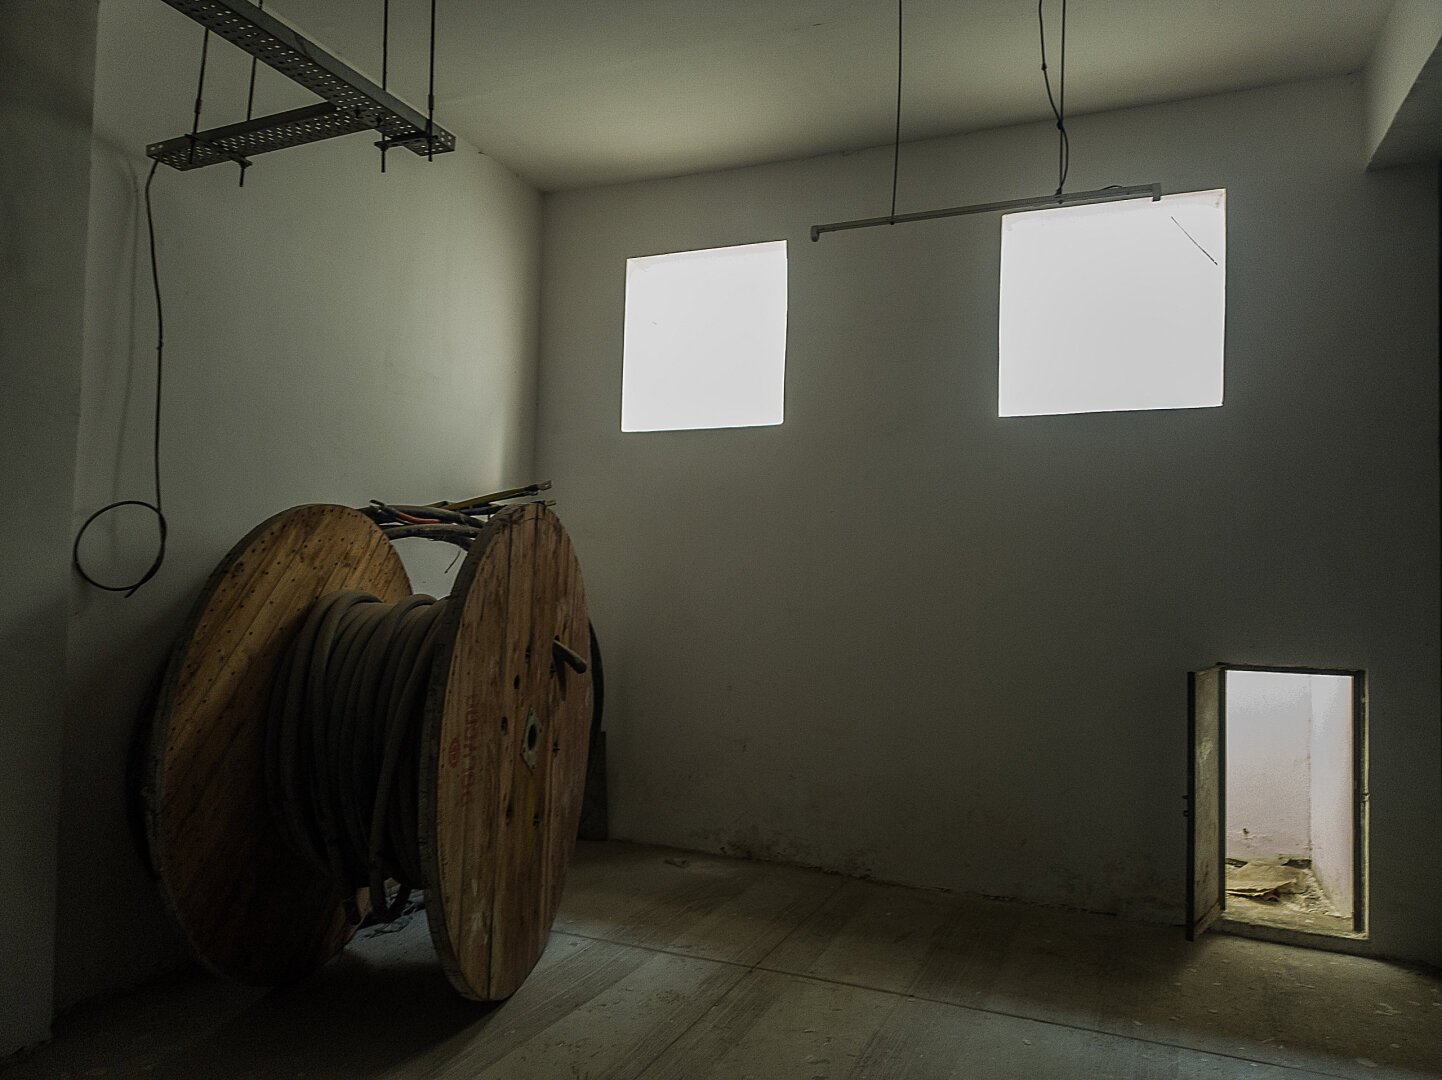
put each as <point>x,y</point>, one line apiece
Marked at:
<point>351,102</point>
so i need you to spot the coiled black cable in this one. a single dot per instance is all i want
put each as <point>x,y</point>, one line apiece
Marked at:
<point>130,588</point>
<point>343,742</point>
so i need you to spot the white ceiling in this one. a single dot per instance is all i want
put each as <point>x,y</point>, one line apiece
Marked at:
<point>572,93</point>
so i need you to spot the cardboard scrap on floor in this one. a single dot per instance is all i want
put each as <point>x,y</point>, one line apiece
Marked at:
<point>1263,881</point>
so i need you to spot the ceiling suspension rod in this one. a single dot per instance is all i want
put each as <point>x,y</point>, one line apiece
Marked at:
<point>1037,202</point>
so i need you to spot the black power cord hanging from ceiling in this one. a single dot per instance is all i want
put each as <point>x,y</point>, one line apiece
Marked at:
<point>250,93</point>
<point>199,93</point>
<point>1108,194</point>
<point>384,144</point>
<point>250,97</point>
<point>896,145</point>
<point>1058,103</point>
<point>431,93</point>
<point>430,79</point>
<point>154,507</point>
<point>162,528</point>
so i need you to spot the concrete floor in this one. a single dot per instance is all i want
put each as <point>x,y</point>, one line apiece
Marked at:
<point>671,964</point>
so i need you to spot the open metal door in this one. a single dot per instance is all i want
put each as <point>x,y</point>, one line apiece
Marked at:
<point>1206,822</point>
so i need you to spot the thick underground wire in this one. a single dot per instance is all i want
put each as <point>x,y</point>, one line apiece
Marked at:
<point>343,742</point>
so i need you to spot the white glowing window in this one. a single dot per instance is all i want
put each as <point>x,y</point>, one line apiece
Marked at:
<point>705,342</point>
<point>1115,306</point>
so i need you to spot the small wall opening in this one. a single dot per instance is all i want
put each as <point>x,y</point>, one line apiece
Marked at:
<point>1113,307</point>
<point>705,339</point>
<point>1292,815</point>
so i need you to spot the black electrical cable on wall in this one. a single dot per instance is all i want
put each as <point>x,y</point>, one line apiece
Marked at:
<point>431,92</point>
<point>130,588</point>
<point>896,144</point>
<point>199,93</point>
<point>1063,150</point>
<point>385,68</point>
<point>249,102</point>
<point>250,93</point>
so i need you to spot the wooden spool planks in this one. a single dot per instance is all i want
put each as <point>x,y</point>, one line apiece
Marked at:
<point>498,822</point>
<point>249,907</point>
<point>498,818</point>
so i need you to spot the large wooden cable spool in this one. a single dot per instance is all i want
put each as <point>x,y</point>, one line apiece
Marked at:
<point>503,747</point>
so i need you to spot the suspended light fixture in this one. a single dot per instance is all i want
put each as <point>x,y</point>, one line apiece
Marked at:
<point>1060,197</point>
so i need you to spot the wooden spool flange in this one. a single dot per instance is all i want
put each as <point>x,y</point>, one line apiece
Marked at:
<point>503,757</point>
<point>503,752</point>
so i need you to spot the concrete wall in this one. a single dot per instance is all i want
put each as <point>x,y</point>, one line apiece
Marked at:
<point>1401,111</point>
<point>899,636</point>
<point>47,56</point>
<point>332,334</point>
<point>1333,807</point>
<point>1269,765</point>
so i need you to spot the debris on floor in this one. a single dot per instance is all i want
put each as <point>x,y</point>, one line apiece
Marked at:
<point>1284,883</point>
<point>371,926</point>
<point>1263,880</point>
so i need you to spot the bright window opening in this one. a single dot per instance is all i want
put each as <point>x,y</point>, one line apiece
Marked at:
<point>1114,306</point>
<point>705,339</point>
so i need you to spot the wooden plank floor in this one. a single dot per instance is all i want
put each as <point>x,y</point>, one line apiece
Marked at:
<point>668,964</point>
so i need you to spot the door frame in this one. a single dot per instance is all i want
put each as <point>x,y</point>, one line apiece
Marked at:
<point>1197,924</point>
<point>1361,795</point>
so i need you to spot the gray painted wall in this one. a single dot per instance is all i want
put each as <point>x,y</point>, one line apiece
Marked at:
<point>332,335</point>
<point>47,55</point>
<point>899,636</point>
